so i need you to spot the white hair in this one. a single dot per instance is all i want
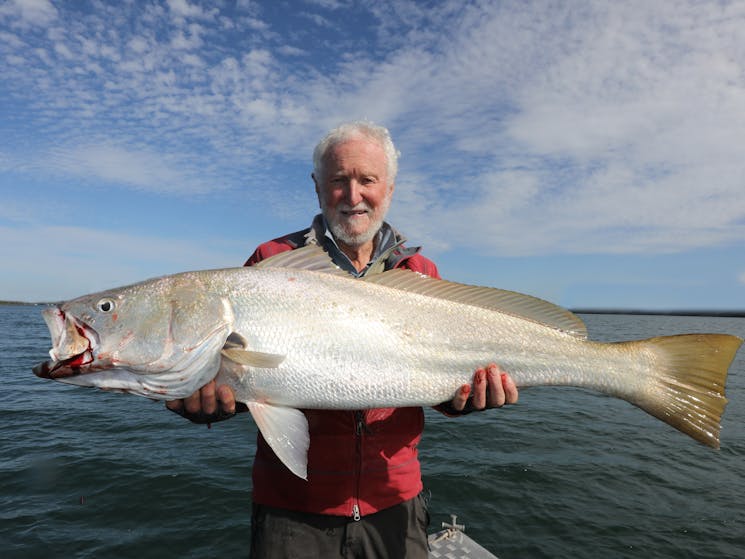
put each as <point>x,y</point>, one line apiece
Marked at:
<point>357,129</point>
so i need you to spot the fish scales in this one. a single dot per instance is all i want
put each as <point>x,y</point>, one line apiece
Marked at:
<point>362,345</point>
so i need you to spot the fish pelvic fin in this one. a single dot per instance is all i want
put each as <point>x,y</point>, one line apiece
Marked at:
<point>286,432</point>
<point>688,391</point>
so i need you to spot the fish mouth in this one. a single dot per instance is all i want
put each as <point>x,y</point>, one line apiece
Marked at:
<point>73,346</point>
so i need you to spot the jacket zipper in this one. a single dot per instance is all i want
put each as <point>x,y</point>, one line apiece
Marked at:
<point>360,428</point>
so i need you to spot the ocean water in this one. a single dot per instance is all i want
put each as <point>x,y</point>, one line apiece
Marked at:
<point>565,473</point>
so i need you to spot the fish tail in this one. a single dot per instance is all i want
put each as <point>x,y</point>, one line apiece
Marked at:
<point>687,389</point>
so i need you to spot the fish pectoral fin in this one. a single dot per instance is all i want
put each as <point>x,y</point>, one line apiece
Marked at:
<point>253,358</point>
<point>286,432</point>
<point>235,341</point>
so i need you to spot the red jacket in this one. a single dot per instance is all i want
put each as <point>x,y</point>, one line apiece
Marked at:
<point>359,462</point>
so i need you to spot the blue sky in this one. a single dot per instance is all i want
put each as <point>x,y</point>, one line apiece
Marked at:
<point>590,153</point>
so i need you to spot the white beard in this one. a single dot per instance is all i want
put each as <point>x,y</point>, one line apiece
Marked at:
<point>356,239</point>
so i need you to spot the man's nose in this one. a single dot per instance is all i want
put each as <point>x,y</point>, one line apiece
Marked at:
<point>354,193</point>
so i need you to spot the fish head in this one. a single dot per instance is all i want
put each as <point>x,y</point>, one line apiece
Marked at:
<point>160,338</point>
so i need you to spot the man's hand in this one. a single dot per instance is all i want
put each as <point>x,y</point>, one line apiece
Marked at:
<point>492,388</point>
<point>210,404</point>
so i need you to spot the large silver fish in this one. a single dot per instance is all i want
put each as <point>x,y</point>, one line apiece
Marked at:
<point>296,332</point>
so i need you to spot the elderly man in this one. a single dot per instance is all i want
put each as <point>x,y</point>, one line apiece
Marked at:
<point>363,493</point>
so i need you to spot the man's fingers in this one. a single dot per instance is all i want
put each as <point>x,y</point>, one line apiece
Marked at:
<point>510,389</point>
<point>496,395</point>
<point>208,399</point>
<point>175,405</point>
<point>461,397</point>
<point>209,404</point>
<point>226,398</point>
<point>479,389</point>
<point>193,403</point>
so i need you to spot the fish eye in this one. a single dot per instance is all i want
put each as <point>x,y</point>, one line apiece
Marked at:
<point>106,305</point>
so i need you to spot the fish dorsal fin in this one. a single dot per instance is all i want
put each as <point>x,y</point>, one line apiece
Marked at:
<point>311,257</point>
<point>491,298</point>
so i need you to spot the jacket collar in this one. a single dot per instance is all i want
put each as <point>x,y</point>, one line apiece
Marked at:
<point>387,240</point>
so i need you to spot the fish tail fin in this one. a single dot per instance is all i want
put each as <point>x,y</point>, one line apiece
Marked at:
<point>687,390</point>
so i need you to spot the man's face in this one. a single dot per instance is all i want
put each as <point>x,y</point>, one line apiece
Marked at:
<point>354,191</point>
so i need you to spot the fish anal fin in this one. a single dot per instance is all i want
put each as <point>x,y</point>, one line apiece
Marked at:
<point>286,432</point>
<point>253,358</point>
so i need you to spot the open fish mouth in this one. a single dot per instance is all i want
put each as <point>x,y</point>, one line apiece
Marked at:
<point>73,346</point>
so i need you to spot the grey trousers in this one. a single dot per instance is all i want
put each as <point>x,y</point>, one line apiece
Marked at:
<point>397,532</point>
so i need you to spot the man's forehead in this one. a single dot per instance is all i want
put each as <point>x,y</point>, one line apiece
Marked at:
<point>357,148</point>
<point>358,155</point>
<point>362,169</point>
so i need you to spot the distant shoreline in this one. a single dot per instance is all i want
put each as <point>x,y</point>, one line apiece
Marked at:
<point>730,314</point>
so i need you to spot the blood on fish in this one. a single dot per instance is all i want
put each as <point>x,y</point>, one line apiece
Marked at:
<point>79,360</point>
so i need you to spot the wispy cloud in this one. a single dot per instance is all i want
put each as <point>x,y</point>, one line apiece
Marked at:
<point>611,127</point>
<point>183,9</point>
<point>329,4</point>
<point>107,164</point>
<point>620,140</point>
<point>29,12</point>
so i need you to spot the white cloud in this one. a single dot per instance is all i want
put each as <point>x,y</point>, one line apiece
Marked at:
<point>16,60</point>
<point>317,19</point>
<point>191,40</point>
<point>183,9</point>
<point>32,12</point>
<point>63,51</point>
<point>193,60</point>
<point>11,39</point>
<point>111,164</point>
<point>741,278</point>
<point>289,50</point>
<point>138,45</point>
<point>329,4</point>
